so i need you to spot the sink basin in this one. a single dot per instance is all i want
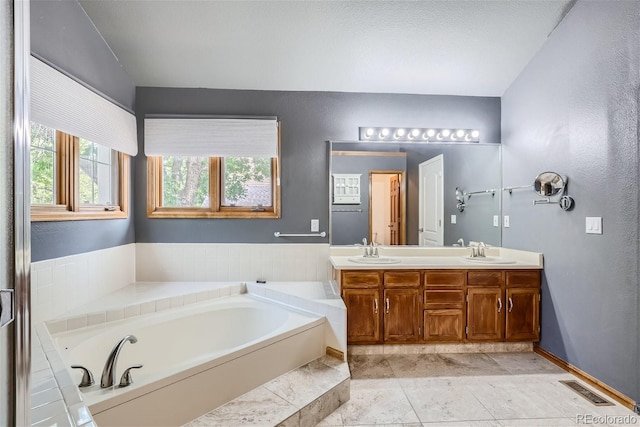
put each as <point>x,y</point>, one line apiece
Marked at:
<point>380,260</point>
<point>489,260</point>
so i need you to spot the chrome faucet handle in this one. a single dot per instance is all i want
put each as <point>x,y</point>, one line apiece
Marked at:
<point>474,254</point>
<point>481,248</point>
<point>127,379</point>
<point>87,376</point>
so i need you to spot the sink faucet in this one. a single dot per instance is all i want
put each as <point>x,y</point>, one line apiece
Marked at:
<point>481,248</point>
<point>461,242</point>
<point>109,371</point>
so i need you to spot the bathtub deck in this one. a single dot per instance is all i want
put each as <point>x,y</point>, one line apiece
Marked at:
<point>302,397</point>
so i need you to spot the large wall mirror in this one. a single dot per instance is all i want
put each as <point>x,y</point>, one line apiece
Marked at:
<point>405,193</point>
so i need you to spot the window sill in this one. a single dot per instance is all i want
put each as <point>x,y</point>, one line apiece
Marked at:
<point>77,216</point>
<point>199,213</point>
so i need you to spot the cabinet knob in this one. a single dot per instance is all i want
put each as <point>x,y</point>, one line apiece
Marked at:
<point>375,306</point>
<point>499,304</point>
<point>510,304</point>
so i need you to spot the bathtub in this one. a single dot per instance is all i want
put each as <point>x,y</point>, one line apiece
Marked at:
<point>195,358</point>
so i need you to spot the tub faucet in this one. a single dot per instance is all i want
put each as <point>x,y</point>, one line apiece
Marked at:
<point>109,371</point>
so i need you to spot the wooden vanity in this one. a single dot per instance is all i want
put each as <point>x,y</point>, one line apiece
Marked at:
<point>390,305</point>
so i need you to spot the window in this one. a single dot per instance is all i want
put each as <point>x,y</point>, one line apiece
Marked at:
<point>204,167</point>
<point>73,178</point>
<point>210,187</point>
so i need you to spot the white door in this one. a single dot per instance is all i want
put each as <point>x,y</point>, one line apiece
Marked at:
<point>431,202</point>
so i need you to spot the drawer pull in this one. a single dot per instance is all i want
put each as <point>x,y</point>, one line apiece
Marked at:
<point>510,304</point>
<point>387,305</point>
<point>499,304</point>
<point>375,306</point>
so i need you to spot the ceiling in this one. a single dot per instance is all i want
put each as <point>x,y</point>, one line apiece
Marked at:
<point>451,47</point>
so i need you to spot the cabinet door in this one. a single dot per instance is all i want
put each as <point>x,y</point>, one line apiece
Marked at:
<point>402,315</point>
<point>364,309</point>
<point>523,322</point>
<point>443,325</point>
<point>485,314</point>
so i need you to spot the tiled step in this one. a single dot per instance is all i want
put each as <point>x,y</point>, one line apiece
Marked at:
<point>302,397</point>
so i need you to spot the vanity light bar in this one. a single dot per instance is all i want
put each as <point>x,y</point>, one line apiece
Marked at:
<point>418,134</point>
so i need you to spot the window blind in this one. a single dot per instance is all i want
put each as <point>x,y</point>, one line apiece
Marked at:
<point>60,102</point>
<point>211,137</point>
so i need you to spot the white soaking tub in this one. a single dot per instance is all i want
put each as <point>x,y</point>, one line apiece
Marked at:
<point>195,358</point>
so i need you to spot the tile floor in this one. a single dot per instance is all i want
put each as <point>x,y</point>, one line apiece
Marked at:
<point>482,389</point>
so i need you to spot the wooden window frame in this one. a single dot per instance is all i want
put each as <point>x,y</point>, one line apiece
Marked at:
<point>67,206</point>
<point>215,209</point>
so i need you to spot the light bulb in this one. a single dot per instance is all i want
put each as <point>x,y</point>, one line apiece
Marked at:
<point>399,133</point>
<point>384,133</point>
<point>459,133</point>
<point>446,133</point>
<point>415,132</point>
<point>475,134</point>
<point>467,137</point>
<point>425,136</point>
<point>431,133</point>
<point>453,137</point>
<point>369,133</point>
<point>439,136</point>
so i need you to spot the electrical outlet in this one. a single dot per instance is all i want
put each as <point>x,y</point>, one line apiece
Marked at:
<point>593,225</point>
<point>315,225</point>
<point>496,221</point>
<point>453,219</point>
<point>506,221</point>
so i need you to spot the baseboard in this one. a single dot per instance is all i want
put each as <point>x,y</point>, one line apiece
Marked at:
<point>594,382</point>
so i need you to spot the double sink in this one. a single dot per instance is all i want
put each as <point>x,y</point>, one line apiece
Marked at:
<point>383,260</point>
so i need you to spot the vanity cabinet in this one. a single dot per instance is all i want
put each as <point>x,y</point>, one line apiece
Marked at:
<point>503,306</point>
<point>393,318</point>
<point>402,306</point>
<point>523,306</point>
<point>361,296</point>
<point>443,317</point>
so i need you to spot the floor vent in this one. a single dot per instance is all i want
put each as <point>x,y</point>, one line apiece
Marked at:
<point>586,393</point>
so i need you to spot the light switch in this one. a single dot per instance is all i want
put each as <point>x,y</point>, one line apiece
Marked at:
<point>506,221</point>
<point>593,225</point>
<point>315,225</point>
<point>496,221</point>
<point>453,219</point>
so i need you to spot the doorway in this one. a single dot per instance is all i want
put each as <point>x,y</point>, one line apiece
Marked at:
<point>431,202</point>
<point>386,207</point>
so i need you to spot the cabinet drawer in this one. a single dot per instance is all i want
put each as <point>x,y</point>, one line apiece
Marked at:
<point>444,278</point>
<point>443,298</point>
<point>361,279</point>
<point>523,278</point>
<point>485,278</point>
<point>401,279</point>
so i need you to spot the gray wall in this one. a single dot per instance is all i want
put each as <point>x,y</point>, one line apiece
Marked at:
<point>574,110</point>
<point>309,119</point>
<point>63,35</point>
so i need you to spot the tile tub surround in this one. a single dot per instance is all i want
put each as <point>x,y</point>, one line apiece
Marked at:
<point>317,297</point>
<point>162,262</point>
<point>143,298</point>
<point>486,389</point>
<point>63,284</point>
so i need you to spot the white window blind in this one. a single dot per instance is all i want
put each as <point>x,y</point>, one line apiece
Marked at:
<point>211,137</point>
<point>61,103</point>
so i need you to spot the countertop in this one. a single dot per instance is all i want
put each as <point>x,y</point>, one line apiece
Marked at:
<point>435,258</point>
